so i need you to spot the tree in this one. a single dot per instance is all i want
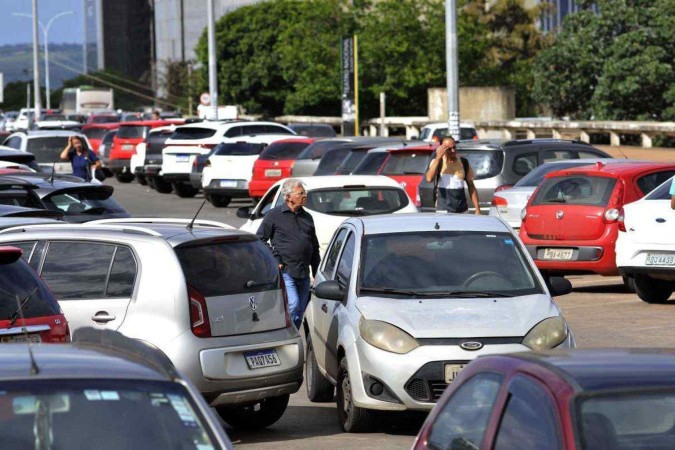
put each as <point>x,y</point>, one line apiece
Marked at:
<point>16,93</point>
<point>614,65</point>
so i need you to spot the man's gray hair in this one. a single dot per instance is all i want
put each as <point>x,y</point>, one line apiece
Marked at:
<point>289,185</point>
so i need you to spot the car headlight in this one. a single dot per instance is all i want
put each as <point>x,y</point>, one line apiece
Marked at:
<point>386,336</point>
<point>548,333</point>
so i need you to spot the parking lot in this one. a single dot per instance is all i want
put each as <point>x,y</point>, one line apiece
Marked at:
<point>599,311</point>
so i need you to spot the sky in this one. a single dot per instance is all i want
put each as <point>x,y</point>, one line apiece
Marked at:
<point>18,30</point>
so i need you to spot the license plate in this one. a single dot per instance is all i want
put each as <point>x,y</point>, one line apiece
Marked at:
<point>660,260</point>
<point>273,172</point>
<point>452,370</point>
<point>262,358</point>
<point>558,253</point>
<point>127,147</point>
<point>182,158</point>
<point>32,338</point>
<point>228,183</point>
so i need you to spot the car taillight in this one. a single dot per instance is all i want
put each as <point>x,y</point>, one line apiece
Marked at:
<point>503,187</point>
<point>283,292</point>
<point>621,220</point>
<point>199,315</point>
<point>499,201</point>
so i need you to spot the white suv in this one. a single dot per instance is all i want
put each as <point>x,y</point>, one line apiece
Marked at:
<point>434,132</point>
<point>193,140</point>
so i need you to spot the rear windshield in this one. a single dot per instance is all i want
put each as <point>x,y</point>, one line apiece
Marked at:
<point>93,202</point>
<point>575,190</point>
<point>95,133</point>
<point>187,134</point>
<point>370,164</point>
<point>485,163</point>
<point>662,192</point>
<point>356,201</point>
<point>19,282</point>
<point>406,163</point>
<point>318,149</point>
<point>351,161</point>
<point>132,132</point>
<point>108,137</point>
<point>238,149</point>
<point>536,175</point>
<point>47,149</point>
<point>105,119</point>
<point>155,142</point>
<point>114,413</point>
<point>18,197</point>
<point>314,131</point>
<point>226,268</point>
<point>330,162</point>
<point>283,150</point>
<point>465,133</point>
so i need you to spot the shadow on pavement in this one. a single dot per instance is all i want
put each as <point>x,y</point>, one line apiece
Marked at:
<point>603,288</point>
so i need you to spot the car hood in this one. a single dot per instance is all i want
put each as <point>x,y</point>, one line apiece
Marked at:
<point>460,317</point>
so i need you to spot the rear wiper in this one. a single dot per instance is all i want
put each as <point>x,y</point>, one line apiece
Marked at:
<point>251,283</point>
<point>557,200</point>
<point>465,294</point>
<point>22,303</point>
<point>390,290</point>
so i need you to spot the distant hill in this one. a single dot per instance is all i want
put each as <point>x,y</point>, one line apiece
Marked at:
<point>16,62</point>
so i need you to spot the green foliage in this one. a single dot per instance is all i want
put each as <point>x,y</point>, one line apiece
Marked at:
<point>615,65</point>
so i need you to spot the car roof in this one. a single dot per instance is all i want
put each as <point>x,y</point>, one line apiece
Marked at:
<point>601,369</point>
<point>262,138</point>
<point>225,124</point>
<point>146,123</point>
<point>616,169</point>
<point>11,222</point>
<point>405,223</point>
<point>415,146</point>
<point>48,133</point>
<point>338,181</point>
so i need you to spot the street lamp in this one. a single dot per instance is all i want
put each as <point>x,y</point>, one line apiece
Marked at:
<point>45,31</point>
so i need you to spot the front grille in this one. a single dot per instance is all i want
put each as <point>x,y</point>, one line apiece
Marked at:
<point>418,390</point>
<point>437,389</point>
<point>428,383</point>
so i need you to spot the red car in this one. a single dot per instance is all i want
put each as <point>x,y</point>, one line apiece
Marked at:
<point>578,399</point>
<point>103,118</point>
<point>95,133</point>
<point>275,163</point>
<point>124,144</point>
<point>570,223</point>
<point>28,310</point>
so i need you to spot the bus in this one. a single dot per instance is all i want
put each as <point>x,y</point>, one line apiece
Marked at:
<point>86,99</point>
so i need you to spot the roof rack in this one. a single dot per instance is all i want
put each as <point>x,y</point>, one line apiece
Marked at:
<point>538,140</point>
<point>114,342</point>
<point>160,220</point>
<point>70,226</point>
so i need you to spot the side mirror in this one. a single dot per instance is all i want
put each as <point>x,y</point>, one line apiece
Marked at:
<point>244,212</point>
<point>329,290</point>
<point>559,286</point>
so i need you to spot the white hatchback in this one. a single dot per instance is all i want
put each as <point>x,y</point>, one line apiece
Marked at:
<point>645,248</point>
<point>402,303</point>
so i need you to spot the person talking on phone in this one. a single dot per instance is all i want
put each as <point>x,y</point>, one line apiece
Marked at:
<point>450,172</point>
<point>81,158</point>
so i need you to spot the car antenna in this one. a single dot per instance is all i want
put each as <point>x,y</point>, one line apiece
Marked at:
<point>51,179</point>
<point>192,222</point>
<point>403,142</point>
<point>34,369</point>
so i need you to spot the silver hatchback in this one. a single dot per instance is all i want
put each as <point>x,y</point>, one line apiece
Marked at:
<point>208,296</point>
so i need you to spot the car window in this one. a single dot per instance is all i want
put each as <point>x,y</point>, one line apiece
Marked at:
<point>370,164</point>
<point>19,281</point>
<point>77,270</point>
<point>582,154</point>
<point>356,201</point>
<point>132,131</point>
<point>283,150</point>
<point>26,247</point>
<point>529,421</point>
<point>344,270</point>
<point>485,163</point>
<point>276,129</point>
<point>234,131</point>
<point>575,190</point>
<point>553,155</point>
<point>535,177</point>
<point>406,163</point>
<point>266,202</point>
<point>317,149</point>
<point>649,182</point>
<point>462,421</point>
<point>238,149</point>
<point>331,161</point>
<point>83,202</point>
<point>351,161</point>
<point>662,192</point>
<point>122,274</point>
<point>95,133</point>
<point>192,133</point>
<point>333,253</point>
<point>524,164</point>
<point>47,149</point>
<point>14,142</point>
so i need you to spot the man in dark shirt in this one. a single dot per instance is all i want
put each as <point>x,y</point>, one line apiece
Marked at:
<point>290,231</point>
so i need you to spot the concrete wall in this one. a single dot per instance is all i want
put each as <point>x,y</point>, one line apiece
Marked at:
<point>475,103</point>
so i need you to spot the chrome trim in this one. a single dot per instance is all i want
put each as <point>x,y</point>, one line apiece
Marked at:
<point>26,329</point>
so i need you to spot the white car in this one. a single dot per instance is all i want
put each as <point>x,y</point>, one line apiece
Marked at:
<point>56,122</point>
<point>331,199</point>
<point>645,248</point>
<point>229,168</point>
<point>402,303</point>
<point>434,132</point>
<point>47,146</point>
<point>190,141</point>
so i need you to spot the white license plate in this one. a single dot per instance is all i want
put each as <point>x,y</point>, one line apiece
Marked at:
<point>228,183</point>
<point>127,147</point>
<point>660,260</point>
<point>182,158</point>
<point>33,338</point>
<point>262,358</point>
<point>452,370</point>
<point>273,172</point>
<point>558,253</point>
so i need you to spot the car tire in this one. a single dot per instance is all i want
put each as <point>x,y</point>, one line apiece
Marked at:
<point>142,180</point>
<point>629,284</point>
<point>254,416</point>
<point>219,201</point>
<point>652,290</point>
<point>184,190</point>
<point>319,389</point>
<point>351,418</point>
<point>161,186</point>
<point>151,182</point>
<point>124,177</point>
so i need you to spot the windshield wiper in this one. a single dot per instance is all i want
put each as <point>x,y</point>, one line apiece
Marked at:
<point>15,314</point>
<point>391,291</point>
<point>465,294</point>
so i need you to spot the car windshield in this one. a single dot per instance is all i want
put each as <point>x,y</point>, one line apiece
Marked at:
<point>662,192</point>
<point>370,164</point>
<point>18,282</point>
<point>351,161</point>
<point>535,177</point>
<point>82,202</point>
<point>317,149</point>
<point>47,149</point>
<point>238,149</point>
<point>575,190</point>
<point>626,420</point>
<point>445,263</point>
<point>112,413</point>
<point>283,150</point>
<point>95,133</point>
<point>485,163</point>
<point>356,201</point>
<point>406,163</point>
<point>132,132</point>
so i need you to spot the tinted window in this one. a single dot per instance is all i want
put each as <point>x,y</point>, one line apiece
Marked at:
<point>19,280</point>
<point>590,154</point>
<point>485,163</point>
<point>314,130</point>
<point>283,150</point>
<point>47,149</point>
<point>266,202</point>
<point>77,270</point>
<point>186,134</point>
<point>575,190</point>
<point>356,201</point>
<point>95,133</point>
<point>108,138</point>
<point>351,161</point>
<point>465,416</point>
<point>132,132</point>
<point>20,198</point>
<point>524,164</point>
<point>467,133</point>
<point>27,248</point>
<point>344,270</point>
<point>253,129</point>
<point>553,155</point>
<point>330,161</point>
<point>155,142</point>
<point>122,274</point>
<point>234,131</point>
<point>226,268</point>
<point>535,177</point>
<point>317,149</point>
<point>649,182</point>
<point>662,192</point>
<point>94,202</point>
<point>105,119</point>
<point>529,420</point>
<point>333,253</point>
<point>370,164</point>
<point>13,142</point>
<point>276,129</point>
<point>239,149</point>
<point>406,163</point>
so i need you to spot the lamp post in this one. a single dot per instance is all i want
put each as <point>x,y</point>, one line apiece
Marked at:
<point>45,32</point>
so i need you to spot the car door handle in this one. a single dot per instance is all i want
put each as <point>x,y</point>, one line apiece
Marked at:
<point>324,308</point>
<point>103,317</point>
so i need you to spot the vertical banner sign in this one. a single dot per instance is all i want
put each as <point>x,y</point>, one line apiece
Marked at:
<point>347,77</point>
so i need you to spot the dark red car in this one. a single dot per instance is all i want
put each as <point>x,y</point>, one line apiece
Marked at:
<point>576,399</point>
<point>96,131</point>
<point>275,163</point>
<point>570,223</point>
<point>28,310</point>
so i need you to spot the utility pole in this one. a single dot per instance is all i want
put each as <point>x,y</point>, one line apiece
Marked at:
<point>213,79</point>
<point>36,66</point>
<point>452,68</point>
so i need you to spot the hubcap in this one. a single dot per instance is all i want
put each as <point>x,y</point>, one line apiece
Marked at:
<point>346,393</point>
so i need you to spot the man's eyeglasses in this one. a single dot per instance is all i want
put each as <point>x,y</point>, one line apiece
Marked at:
<point>301,194</point>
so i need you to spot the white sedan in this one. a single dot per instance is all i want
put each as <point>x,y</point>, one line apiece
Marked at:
<point>645,249</point>
<point>331,199</point>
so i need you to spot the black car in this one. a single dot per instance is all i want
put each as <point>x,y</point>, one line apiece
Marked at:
<point>19,157</point>
<point>318,130</point>
<point>152,166</point>
<point>498,164</point>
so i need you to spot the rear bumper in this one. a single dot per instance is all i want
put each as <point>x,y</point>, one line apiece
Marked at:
<point>596,259</point>
<point>177,177</point>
